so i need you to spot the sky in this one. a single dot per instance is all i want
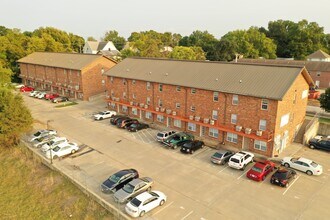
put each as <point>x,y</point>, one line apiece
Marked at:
<point>218,17</point>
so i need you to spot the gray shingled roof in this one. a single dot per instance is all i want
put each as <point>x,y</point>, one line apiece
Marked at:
<point>262,81</point>
<point>75,61</point>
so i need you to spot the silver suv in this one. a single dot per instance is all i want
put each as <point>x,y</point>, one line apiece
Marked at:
<point>161,136</point>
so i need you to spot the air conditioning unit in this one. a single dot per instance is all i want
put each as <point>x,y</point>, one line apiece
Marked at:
<point>211,122</point>
<point>248,130</point>
<point>174,113</point>
<point>168,111</point>
<point>191,117</point>
<point>162,109</point>
<point>157,109</point>
<point>206,120</point>
<point>259,133</point>
<point>238,128</point>
<point>146,106</point>
<point>141,105</point>
<point>197,118</point>
<point>131,103</point>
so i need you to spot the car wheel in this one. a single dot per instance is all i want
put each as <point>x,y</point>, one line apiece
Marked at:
<point>73,151</point>
<point>192,151</point>
<point>263,178</point>
<point>55,157</point>
<point>309,173</point>
<point>101,118</point>
<point>295,176</point>
<point>311,146</point>
<point>162,202</point>
<point>243,168</point>
<point>202,146</point>
<point>286,185</point>
<point>175,147</point>
<point>287,165</point>
<point>142,213</point>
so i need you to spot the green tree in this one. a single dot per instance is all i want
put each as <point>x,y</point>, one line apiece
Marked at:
<point>117,40</point>
<point>187,53</point>
<point>127,53</point>
<point>5,76</point>
<point>325,100</point>
<point>90,38</point>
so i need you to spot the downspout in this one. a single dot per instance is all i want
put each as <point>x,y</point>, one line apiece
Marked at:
<point>224,118</point>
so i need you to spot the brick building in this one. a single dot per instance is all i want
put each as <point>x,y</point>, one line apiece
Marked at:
<point>74,75</point>
<point>258,108</point>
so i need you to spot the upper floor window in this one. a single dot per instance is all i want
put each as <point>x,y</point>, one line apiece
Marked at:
<point>233,118</point>
<point>148,85</point>
<point>262,125</point>
<point>193,90</point>
<point>160,87</point>
<point>160,103</point>
<point>215,96</point>
<point>111,79</point>
<point>133,96</point>
<point>235,100</point>
<point>318,74</point>
<point>148,100</point>
<point>124,81</point>
<point>214,114</point>
<point>264,104</point>
<point>133,81</point>
<point>192,108</point>
<point>177,105</point>
<point>178,88</point>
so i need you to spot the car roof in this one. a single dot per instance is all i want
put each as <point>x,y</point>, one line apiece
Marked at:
<point>302,159</point>
<point>135,182</point>
<point>222,151</point>
<point>123,172</point>
<point>143,196</point>
<point>164,132</point>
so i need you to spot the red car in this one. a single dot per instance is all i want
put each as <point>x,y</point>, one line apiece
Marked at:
<point>26,89</point>
<point>51,96</point>
<point>260,170</point>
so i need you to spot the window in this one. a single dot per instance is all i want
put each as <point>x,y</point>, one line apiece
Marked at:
<point>160,118</point>
<point>133,81</point>
<point>233,118</point>
<point>124,108</point>
<point>284,119</point>
<point>148,85</point>
<point>192,108</point>
<point>235,100</point>
<point>215,115</point>
<point>318,74</point>
<point>260,145</point>
<point>262,125</point>
<point>112,93</point>
<point>178,88</point>
<point>177,105</point>
<point>134,111</point>
<point>214,132</point>
<point>111,79</point>
<point>148,100</point>
<point>160,87</point>
<point>124,81</point>
<point>103,82</point>
<point>294,98</point>
<point>215,96</point>
<point>232,137</point>
<point>149,115</point>
<point>124,95</point>
<point>264,104</point>
<point>191,126</point>
<point>193,90</point>
<point>133,96</point>
<point>304,94</point>
<point>160,103</point>
<point>177,123</point>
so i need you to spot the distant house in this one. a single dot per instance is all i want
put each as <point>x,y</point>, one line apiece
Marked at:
<point>319,56</point>
<point>74,75</point>
<point>95,47</point>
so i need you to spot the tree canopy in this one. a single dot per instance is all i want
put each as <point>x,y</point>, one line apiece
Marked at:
<point>325,100</point>
<point>113,36</point>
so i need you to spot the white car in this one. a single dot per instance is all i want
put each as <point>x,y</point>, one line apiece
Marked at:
<point>104,115</point>
<point>53,143</point>
<point>33,93</point>
<point>145,202</point>
<point>62,150</point>
<point>240,160</point>
<point>302,164</point>
<point>42,133</point>
<point>43,140</point>
<point>41,95</point>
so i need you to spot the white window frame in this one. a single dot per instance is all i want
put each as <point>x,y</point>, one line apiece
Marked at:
<point>133,82</point>
<point>235,100</point>
<point>260,145</point>
<point>111,79</point>
<point>124,108</point>
<point>160,87</point>
<point>193,91</point>
<point>192,108</point>
<point>148,115</point>
<point>233,119</point>
<point>214,115</point>
<point>177,123</point>
<point>285,119</point>
<point>148,101</point>
<point>148,85</point>
<point>178,88</point>
<point>215,96</point>
<point>134,111</point>
<point>133,96</point>
<point>231,137</point>
<point>213,132</point>
<point>160,103</point>
<point>304,94</point>
<point>177,105</point>
<point>160,118</point>
<point>262,125</point>
<point>264,102</point>
<point>191,126</point>
<point>124,95</point>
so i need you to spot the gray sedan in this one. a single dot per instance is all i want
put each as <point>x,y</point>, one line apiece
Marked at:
<point>132,189</point>
<point>221,157</point>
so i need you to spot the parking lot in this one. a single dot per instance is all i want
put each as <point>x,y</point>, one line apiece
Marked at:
<point>196,188</point>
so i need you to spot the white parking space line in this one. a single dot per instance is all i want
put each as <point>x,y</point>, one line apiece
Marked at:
<point>198,152</point>
<point>244,174</point>
<point>187,215</point>
<point>225,167</point>
<point>163,208</point>
<point>291,185</point>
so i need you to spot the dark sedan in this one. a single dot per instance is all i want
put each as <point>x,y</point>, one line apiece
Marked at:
<point>118,120</point>
<point>320,144</point>
<point>191,146</point>
<point>137,126</point>
<point>221,157</point>
<point>60,99</point>
<point>283,177</point>
<point>126,122</point>
<point>114,118</point>
<point>118,180</point>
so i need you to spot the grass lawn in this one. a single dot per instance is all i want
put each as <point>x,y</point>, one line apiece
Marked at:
<point>30,190</point>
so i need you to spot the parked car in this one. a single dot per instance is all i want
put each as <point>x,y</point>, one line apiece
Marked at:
<point>26,89</point>
<point>118,180</point>
<point>191,146</point>
<point>145,202</point>
<point>62,150</point>
<point>260,170</point>
<point>113,119</point>
<point>40,95</point>
<point>51,96</point>
<point>161,136</point>
<point>43,140</point>
<point>132,189</point>
<point>60,99</point>
<point>137,126</point>
<point>302,164</point>
<point>104,114</point>
<point>129,123</point>
<point>53,143</point>
<point>240,160</point>
<point>42,133</point>
<point>323,144</point>
<point>125,122</point>
<point>221,157</point>
<point>118,121</point>
<point>178,139</point>
<point>33,93</point>
<point>283,177</point>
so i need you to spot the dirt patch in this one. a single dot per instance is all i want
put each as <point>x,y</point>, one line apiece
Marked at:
<point>313,102</point>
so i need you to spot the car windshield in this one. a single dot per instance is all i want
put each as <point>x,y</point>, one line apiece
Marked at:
<point>281,174</point>
<point>160,135</point>
<point>134,125</point>
<point>56,149</point>
<point>218,155</point>
<point>257,169</point>
<point>154,194</point>
<point>135,202</point>
<point>314,164</point>
<point>114,178</point>
<point>37,134</point>
<point>128,188</point>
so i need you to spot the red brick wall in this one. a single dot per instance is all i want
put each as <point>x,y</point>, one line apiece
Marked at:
<point>324,78</point>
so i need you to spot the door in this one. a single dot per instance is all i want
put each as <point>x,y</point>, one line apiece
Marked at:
<point>317,83</point>
<point>246,143</point>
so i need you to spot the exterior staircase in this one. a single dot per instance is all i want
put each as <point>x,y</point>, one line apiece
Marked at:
<point>300,135</point>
